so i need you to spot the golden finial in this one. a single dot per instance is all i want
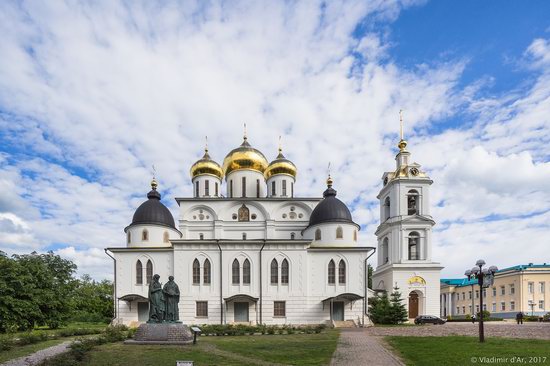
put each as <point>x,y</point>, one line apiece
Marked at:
<point>329,179</point>
<point>154,183</point>
<point>206,144</point>
<point>244,137</point>
<point>280,148</point>
<point>402,143</point>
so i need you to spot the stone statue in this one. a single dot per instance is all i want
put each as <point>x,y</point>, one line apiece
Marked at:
<point>172,295</point>
<point>156,301</point>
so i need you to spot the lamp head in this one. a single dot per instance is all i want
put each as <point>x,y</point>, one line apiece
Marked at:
<point>480,263</point>
<point>493,269</point>
<point>468,273</point>
<point>475,270</point>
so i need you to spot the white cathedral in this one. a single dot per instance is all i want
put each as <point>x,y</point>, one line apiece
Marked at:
<point>261,255</point>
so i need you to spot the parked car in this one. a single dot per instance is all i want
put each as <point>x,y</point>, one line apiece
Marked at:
<point>429,319</point>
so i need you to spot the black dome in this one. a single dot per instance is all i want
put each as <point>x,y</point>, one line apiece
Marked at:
<point>153,211</point>
<point>330,209</point>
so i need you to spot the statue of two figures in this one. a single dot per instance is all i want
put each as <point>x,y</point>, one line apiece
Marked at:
<point>163,301</point>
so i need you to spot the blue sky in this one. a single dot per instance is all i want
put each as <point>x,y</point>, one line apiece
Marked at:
<point>92,95</point>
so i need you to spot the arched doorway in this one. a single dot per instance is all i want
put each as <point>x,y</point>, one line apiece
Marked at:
<point>413,305</point>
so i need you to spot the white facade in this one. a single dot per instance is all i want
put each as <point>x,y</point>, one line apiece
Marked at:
<point>246,258</point>
<point>405,238</point>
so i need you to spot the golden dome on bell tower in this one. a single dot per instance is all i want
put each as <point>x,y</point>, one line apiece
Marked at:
<point>281,165</point>
<point>244,157</point>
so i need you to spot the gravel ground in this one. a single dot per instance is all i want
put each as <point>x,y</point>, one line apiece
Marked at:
<point>492,329</point>
<point>39,356</point>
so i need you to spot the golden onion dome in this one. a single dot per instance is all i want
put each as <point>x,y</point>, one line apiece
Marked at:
<point>206,165</point>
<point>244,157</point>
<point>280,165</point>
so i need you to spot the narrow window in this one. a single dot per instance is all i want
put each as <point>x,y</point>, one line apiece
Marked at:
<point>355,235</point>
<point>292,189</point>
<point>342,272</point>
<point>284,272</point>
<point>385,254</point>
<point>139,273</point>
<point>202,309</point>
<point>196,272</point>
<point>386,208</point>
<point>274,272</point>
<point>413,246</point>
<point>201,236</point>
<point>339,232</point>
<point>292,236</point>
<point>207,187</point>
<point>144,235</point>
<point>273,188</point>
<point>197,188</point>
<point>149,272</point>
<point>244,187</point>
<point>166,237</point>
<point>235,272</point>
<point>257,188</point>
<point>231,188</point>
<point>412,202</point>
<point>331,272</point>
<point>318,234</point>
<point>216,189</point>
<point>284,188</point>
<point>206,272</point>
<point>279,308</point>
<point>246,272</point>
<point>129,237</point>
<point>244,236</point>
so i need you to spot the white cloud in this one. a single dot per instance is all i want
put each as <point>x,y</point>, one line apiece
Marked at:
<point>95,94</point>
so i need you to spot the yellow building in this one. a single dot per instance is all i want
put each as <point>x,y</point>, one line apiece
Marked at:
<point>521,288</point>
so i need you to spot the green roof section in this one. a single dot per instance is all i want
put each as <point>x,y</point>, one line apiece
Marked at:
<point>459,282</point>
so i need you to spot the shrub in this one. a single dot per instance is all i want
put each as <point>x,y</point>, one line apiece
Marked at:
<point>270,329</point>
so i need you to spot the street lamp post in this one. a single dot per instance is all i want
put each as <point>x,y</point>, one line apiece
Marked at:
<point>484,278</point>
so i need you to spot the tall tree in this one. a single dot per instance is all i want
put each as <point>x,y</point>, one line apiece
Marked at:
<point>369,275</point>
<point>398,311</point>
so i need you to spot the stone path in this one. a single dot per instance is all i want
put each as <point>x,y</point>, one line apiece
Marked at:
<point>356,347</point>
<point>39,356</point>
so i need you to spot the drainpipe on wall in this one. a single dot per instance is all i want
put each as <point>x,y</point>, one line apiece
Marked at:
<point>115,308</point>
<point>261,287</point>
<point>221,283</point>
<point>366,298</point>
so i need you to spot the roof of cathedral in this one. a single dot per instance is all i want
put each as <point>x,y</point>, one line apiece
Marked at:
<point>281,165</point>
<point>206,165</point>
<point>244,157</point>
<point>153,211</point>
<point>330,209</point>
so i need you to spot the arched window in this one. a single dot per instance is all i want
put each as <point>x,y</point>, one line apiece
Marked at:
<point>139,273</point>
<point>274,272</point>
<point>342,272</point>
<point>201,236</point>
<point>386,208</point>
<point>385,251</point>
<point>129,237</point>
<point>284,272</point>
<point>244,187</point>
<point>292,236</point>
<point>412,202</point>
<point>318,234</point>
<point>196,188</point>
<point>244,236</point>
<point>354,235</point>
<point>207,188</point>
<point>196,272</point>
<point>166,237</point>
<point>206,272</point>
<point>246,272</point>
<point>339,232</point>
<point>149,271</point>
<point>331,272</point>
<point>235,272</point>
<point>144,235</point>
<point>414,243</point>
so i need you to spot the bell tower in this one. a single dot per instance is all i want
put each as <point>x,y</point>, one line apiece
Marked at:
<point>405,236</point>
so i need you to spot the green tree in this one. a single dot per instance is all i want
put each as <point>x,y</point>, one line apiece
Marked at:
<point>379,309</point>
<point>92,300</point>
<point>369,275</point>
<point>398,311</point>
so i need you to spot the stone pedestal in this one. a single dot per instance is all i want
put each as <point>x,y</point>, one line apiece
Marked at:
<point>162,333</point>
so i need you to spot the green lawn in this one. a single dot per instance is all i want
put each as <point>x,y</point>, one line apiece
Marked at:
<point>462,350</point>
<point>295,349</point>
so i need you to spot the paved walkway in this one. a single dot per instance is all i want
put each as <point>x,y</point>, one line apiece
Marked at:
<point>356,347</point>
<point>39,356</point>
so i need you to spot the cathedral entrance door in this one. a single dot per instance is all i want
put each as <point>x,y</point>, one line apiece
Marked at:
<point>241,312</point>
<point>338,311</point>
<point>413,305</point>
